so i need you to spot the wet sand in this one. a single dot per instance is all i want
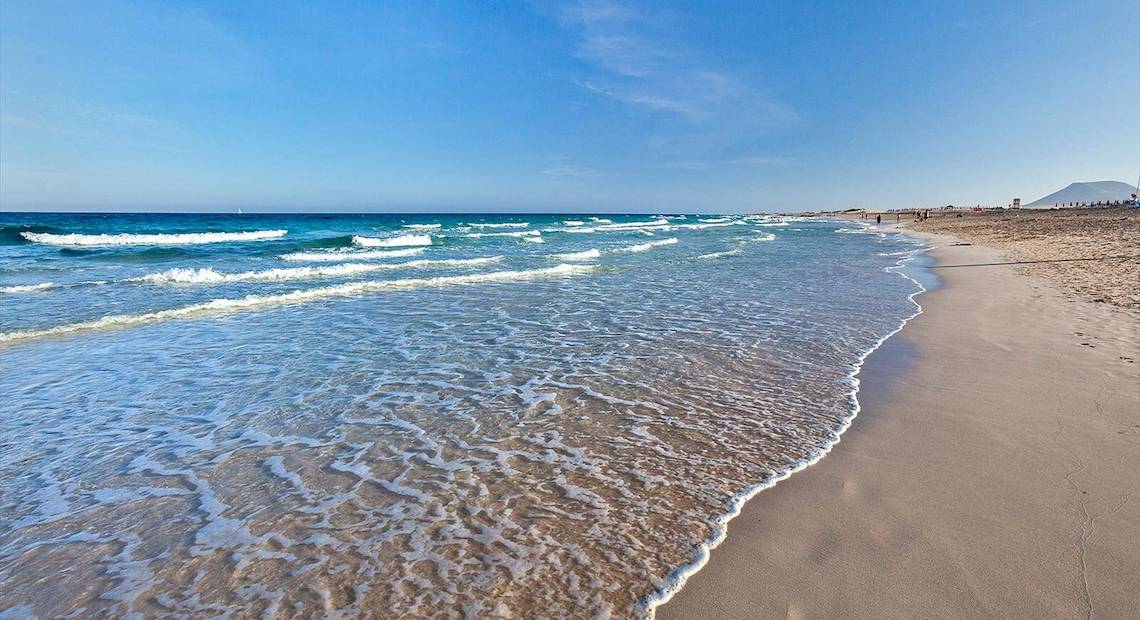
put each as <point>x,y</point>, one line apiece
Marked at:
<point>994,471</point>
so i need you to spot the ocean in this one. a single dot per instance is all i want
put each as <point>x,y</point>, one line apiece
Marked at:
<point>413,415</point>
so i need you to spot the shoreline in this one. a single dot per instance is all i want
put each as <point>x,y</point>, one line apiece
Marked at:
<point>746,574</point>
<point>676,580</point>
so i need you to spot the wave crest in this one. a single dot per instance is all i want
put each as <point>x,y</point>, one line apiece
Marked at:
<point>152,239</point>
<point>391,242</point>
<point>27,288</point>
<point>207,275</point>
<point>498,224</point>
<point>649,245</point>
<point>299,296</point>
<point>348,254</point>
<point>586,255</point>
<point>518,233</point>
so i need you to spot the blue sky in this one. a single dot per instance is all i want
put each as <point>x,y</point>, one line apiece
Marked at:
<point>534,106</point>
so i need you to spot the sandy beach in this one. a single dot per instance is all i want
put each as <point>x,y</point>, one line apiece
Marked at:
<point>1090,252</point>
<point>994,470</point>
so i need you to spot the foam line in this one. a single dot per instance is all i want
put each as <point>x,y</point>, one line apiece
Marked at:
<point>181,275</point>
<point>498,224</point>
<point>677,578</point>
<point>642,247</point>
<point>250,302</point>
<point>155,239</point>
<point>391,242</point>
<point>723,254</point>
<point>347,254</point>
<point>27,288</point>
<point>586,255</point>
<point>518,233</point>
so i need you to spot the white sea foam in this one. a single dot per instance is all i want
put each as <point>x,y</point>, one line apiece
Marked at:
<point>676,579</point>
<point>153,239</point>
<point>250,302</point>
<point>348,254</point>
<point>714,220</point>
<point>585,255</point>
<point>601,220</point>
<point>726,253</point>
<point>627,225</point>
<point>391,242</point>
<point>518,233</point>
<point>764,237</point>
<point>706,225</point>
<point>27,288</point>
<point>534,239</point>
<point>573,223</point>
<point>207,275</point>
<point>641,247</point>
<point>601,226</point>
<point>498,224</point>
<point>423,226</point>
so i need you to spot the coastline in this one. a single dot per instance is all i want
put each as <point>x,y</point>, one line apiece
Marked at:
<point>676,580</point>
<point>985,506</point>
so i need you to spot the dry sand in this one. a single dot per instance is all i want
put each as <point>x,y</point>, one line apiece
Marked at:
<point>994,472</point>
<point>1092,252</point>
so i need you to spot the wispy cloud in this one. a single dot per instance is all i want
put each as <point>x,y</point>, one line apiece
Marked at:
<point>751,160</point>
<point>633,64</point>
<point>571,170</point>
<point>764,160</point>
<point>67,116</point>
<point>685,165</point>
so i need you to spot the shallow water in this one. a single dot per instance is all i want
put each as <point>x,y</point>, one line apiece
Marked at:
<point>429,415</point>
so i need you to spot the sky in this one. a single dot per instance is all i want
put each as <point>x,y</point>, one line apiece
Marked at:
<point>608,106</point>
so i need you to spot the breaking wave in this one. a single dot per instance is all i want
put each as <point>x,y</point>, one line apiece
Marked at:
<point>27,288</point>
<point>641,247</point>
<point>209,276</point>
<point>347,254</point>
<point>498,224</point>
<point>519,233</point>
<point>586,255</point>
<point>250,302</point>
<point>391,242</point>
<point>153,239</point>
<point>724,254</point>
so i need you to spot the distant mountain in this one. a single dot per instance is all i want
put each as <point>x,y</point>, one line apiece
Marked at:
<point>1093,191</point>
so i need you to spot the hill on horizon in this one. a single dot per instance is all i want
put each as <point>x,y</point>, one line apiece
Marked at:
<point>1091,191</point>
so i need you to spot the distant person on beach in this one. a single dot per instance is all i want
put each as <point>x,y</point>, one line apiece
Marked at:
<point>878,219</point>
<point>898,217</point>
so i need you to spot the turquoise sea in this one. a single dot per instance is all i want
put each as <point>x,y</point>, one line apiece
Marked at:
<point>412,415</point>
